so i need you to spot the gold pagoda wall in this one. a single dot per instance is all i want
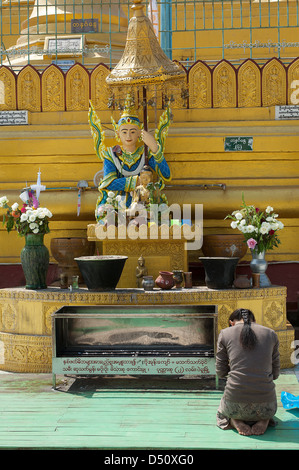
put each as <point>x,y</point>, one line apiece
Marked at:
<point>221,86</point>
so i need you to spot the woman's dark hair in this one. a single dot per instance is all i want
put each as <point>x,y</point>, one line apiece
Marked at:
<point>248,338</point>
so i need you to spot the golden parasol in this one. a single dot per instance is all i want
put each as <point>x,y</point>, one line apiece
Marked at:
<point>143,62</point>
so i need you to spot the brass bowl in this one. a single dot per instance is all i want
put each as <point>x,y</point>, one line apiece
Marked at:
<point>66,249</point>
<point>224,245</point>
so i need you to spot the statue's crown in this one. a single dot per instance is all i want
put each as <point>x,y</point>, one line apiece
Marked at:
<point>129,115</point>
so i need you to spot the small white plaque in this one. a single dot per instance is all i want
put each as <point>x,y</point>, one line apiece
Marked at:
<point>64,45</point>
<point>286,112</point>
<point>14,118</point>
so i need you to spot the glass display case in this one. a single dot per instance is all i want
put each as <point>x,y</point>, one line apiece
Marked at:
<point>134,340</point>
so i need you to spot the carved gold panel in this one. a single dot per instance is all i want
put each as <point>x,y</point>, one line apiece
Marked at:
<point>249,85</point>
<point>292,75</point>
<point>8,100</point>
<point>9,317</point>
<point>224,312</point>
<point>286,349</point>
<point>200,86</point>
<point>47,311</point>
<point>28,89</point>
<point>53,89</point>
<point>24,353</point>
<point>273,83</point>
<point>224,86</point>
<point>100,92</point>
<point>274,314</point>
<point>77,88</point>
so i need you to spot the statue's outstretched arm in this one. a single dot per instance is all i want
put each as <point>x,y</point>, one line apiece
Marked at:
<point>96,131</point>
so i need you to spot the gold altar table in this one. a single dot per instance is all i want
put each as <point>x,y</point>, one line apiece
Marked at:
<point>163,248</point>
<point>25,316</point>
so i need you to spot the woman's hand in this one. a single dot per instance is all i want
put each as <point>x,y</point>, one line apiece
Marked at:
<point>150,141</point>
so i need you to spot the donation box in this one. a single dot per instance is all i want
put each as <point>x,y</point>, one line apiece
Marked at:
<point>177,340</point>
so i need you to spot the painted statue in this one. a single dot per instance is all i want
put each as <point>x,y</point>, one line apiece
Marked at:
<point>123,163</point>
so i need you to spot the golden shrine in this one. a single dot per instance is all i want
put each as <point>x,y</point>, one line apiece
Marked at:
<point>210,104</point>
<point>26,336</point>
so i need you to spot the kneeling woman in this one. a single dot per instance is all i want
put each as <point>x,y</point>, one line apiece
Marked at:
<point>248,355</point>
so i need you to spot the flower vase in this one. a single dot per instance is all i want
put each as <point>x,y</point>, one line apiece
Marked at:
<point>259,265</point>
<point>35,261</point>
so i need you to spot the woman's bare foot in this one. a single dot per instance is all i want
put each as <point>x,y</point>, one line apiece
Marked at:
<point>241,427</point>
<point>260,427</point>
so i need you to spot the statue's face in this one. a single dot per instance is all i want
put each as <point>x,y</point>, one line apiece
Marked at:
<point>129,134</point>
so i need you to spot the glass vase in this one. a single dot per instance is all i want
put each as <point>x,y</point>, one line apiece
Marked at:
<point>259,266</point>
<point>35,261</point>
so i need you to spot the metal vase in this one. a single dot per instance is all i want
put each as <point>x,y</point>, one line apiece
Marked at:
<point>259,265</point>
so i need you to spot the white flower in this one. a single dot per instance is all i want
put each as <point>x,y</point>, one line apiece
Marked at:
<point>48,213</point>
<point>109,200</point>
<point>238,215</point>
<point>275,226</point>
<point>269,209</point>
<point>234,224</point>
<point>265,228</point>
<point>36,230</point>
<point>250,229</point>
<point>242,222</point>
<point>31,217</point>
<point>280,225</point>
<point>41,212</point>
<point>33,225</point>
<point>111,194</point>
<point>3,201</point>
<point>15,206</point>
<point>269,219</point>
<point>24,217</point>
<point>118,197</point>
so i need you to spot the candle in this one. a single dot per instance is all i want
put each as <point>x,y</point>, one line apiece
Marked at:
<point>38,187</point>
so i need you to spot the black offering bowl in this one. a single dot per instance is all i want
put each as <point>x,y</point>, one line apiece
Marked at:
<point>219,271</point>
<point>101,273</point>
